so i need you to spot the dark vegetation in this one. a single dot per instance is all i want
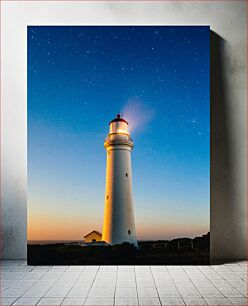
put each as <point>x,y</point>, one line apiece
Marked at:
<point>178,251</point>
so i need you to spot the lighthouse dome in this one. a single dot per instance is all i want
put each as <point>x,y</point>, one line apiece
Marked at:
<point>118,125</point>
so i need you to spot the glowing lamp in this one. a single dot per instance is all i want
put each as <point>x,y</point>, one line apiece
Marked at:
<point>118,125</point>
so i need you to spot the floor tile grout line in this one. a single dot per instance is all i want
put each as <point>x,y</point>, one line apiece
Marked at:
<point>206,301</point>
<point>14,301</point>
<point>38,301</point>
<point>25,291</point>
<point>44,293</point>
<point>242,264</point>
<point>98,268</point>
<point>240,276</point>
<point>176,286</point>
<point>117,270</point>
<point>136,286</point>
<point>230,283</point>
<point>204,298</point>
<point>44,296</point>
<point>73,284</point>
<point>236,304</point>
<point>193,285</point>
<point>35,283</point>
<point>155,285</point>
<point>210,281</point>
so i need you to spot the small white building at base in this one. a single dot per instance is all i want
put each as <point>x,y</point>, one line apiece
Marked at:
<point>92,237</point>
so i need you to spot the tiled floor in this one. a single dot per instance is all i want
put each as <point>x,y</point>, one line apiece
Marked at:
<point>123,285</point>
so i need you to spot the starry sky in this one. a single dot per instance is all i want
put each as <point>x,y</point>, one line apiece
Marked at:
<point>79,78</point>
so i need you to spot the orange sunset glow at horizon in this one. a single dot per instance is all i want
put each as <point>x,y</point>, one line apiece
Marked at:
<point>62,226</point>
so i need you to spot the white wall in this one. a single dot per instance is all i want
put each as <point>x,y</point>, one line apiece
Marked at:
<point>228,101</point>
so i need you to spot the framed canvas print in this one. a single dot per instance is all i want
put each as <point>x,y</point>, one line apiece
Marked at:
<point>118,145</point>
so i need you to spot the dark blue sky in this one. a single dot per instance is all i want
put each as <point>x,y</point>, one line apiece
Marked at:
<point>79,78</point>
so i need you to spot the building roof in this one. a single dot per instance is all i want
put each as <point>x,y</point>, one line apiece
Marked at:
<point>118,118</point>
<point>100,234</point>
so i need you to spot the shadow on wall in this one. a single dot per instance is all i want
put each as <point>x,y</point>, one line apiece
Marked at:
<point>223,211</point>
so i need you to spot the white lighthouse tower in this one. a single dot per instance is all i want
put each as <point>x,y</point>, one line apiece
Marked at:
<point>119,225</point>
